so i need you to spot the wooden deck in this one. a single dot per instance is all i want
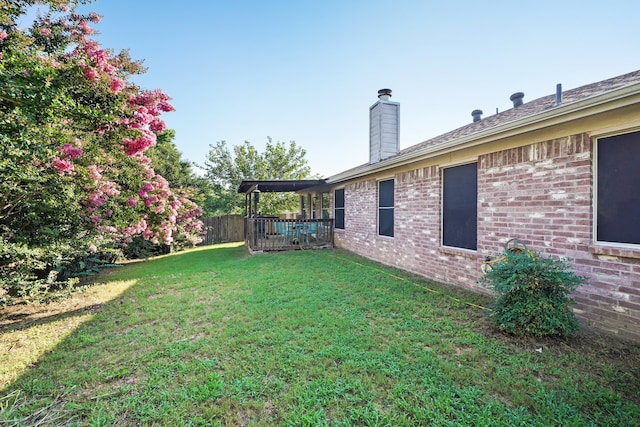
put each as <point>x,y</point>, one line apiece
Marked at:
<point>274,234</point>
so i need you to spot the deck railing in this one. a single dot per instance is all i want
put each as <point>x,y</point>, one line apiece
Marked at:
<point>275,234</point>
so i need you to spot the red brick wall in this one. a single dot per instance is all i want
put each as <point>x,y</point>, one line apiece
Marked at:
<point>416,244</point>
<point>539,193</point>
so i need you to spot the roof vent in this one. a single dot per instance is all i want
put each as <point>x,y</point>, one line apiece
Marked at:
<point>477,115</point>
<point>558,94</point>
<point>384,94</point>
<point>517,99</point>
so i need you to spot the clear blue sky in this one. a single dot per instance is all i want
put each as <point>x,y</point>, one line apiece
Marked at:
<point>308,70</point>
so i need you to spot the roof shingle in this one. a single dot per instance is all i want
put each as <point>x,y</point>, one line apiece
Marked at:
<point>528,109</point>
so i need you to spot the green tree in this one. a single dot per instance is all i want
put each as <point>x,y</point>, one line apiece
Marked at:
<point>225,170</point>
<point>167,161</point>
<point>74,180</point>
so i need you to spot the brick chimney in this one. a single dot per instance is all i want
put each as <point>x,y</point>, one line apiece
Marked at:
<point>384,127</point>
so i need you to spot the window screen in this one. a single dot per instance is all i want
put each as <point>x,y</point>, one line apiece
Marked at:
<point>460,206</point>
<point>385,208</point>
<point>339,208</point>
<point>618,194</point>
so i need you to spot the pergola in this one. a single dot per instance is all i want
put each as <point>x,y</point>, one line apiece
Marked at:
<point>277,234</point>
<point>255,187</point>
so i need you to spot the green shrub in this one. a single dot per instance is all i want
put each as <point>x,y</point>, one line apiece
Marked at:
<point>532,294</point>
<point>140,248</point>
<point>47,272</point>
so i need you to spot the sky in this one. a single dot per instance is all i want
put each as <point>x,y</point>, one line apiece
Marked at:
<point>308,70</point>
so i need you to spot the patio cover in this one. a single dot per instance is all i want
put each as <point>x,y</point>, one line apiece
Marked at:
<point>278,186</point>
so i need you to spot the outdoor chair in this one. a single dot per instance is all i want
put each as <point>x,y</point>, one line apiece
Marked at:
<point>288,230</point>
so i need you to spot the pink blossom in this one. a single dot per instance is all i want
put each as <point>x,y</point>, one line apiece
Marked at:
<point>157,125</point>
<point>93,249</point>
<point>45,32</point>
<point>109,69</point>
<point>116,85</point>
<point>85,28</point>
<point>167,236</point>
<point>108,229</point>
<point>138,145</point>
<point>109,188</point>
<point>165,106</point>
<point>96,199</point>
<point>90,74</point>
<point>153,100</point>
<point>70,151</point>
<point>94,172</point>
<point>94,17</point>
<point>63,166</point>
<point>147,234</point>
<point>3,35</point>
<point>132,202</point>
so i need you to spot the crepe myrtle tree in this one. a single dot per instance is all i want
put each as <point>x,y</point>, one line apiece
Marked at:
<point>74,178</point>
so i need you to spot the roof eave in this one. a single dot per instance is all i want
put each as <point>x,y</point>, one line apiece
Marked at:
<point>278,185</point>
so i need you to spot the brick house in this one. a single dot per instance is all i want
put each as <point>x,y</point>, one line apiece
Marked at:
<point>561,173</point>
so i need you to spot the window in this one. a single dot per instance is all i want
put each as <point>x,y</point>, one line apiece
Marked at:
<point>385,208</point>
<point>339,208</point>
<point>460,206</point>
<point>326,205</point>
<point>618,189</point>
<point>303,207</point>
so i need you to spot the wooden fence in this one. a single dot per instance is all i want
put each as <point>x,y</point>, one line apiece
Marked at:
<point>220,229</point>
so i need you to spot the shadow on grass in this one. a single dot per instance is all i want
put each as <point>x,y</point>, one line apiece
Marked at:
<point>50,374</point>
<point>23,321</point>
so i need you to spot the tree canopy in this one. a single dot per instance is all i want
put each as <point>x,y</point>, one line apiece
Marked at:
<point>226,169</point>
<point>74,130</point>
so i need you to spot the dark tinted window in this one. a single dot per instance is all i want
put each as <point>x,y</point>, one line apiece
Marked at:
<point>618,198</point>
<point>460,206</point>
<point>385,208</point>
<point>386,194</point>
<point>339,208</point>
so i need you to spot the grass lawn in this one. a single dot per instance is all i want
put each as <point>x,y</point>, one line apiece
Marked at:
<point>213,336</point>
